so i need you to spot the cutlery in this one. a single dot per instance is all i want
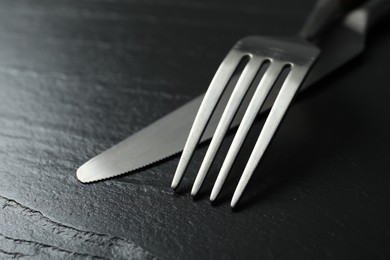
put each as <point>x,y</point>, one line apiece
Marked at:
<point>294,54</point>
<point>276,54</point>
<point>167,136</point>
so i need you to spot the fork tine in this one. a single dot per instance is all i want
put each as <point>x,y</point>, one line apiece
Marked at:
<point>241,88</point>
<point>212,96</point>
<point>282,102</point>
<point>254,107</point>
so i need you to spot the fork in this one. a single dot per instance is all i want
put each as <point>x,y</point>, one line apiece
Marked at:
<point>297,55</point>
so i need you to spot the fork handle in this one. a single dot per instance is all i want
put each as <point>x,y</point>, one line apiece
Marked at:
<point>374,11</point>
<point>324,14</point>
<point>366,16</point>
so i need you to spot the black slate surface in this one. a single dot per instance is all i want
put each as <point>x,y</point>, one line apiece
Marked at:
<point>78,76</point>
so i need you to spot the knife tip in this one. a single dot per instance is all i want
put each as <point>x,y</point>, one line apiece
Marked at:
<point>81,175</point>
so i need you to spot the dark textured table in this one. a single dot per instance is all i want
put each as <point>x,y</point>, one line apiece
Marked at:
<point>78,76</point>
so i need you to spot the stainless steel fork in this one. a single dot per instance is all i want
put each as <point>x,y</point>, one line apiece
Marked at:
<point>296,54</point>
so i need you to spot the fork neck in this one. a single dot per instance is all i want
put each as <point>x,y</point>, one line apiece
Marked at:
<point>324,14</point>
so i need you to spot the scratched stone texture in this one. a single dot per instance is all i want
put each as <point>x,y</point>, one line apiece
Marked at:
<point>78,76</point>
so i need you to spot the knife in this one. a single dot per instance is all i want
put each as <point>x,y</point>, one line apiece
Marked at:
<point>339,44</point>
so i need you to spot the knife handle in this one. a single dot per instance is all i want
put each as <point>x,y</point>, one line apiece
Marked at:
<point>324,14</point>
<point>348,5</point>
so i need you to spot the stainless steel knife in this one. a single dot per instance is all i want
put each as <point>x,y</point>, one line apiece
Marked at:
<point>167,136</point>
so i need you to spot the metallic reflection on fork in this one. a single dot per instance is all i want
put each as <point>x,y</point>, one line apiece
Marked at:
<point>297,54</point>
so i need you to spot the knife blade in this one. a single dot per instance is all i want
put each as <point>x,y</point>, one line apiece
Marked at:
<point>339,45</point>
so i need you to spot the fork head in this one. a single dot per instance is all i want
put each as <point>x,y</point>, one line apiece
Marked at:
<point>274,53</point>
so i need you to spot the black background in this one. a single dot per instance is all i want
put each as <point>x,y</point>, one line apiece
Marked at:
<point>78,76</point>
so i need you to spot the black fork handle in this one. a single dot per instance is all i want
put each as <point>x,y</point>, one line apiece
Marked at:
<point>324,14</point>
